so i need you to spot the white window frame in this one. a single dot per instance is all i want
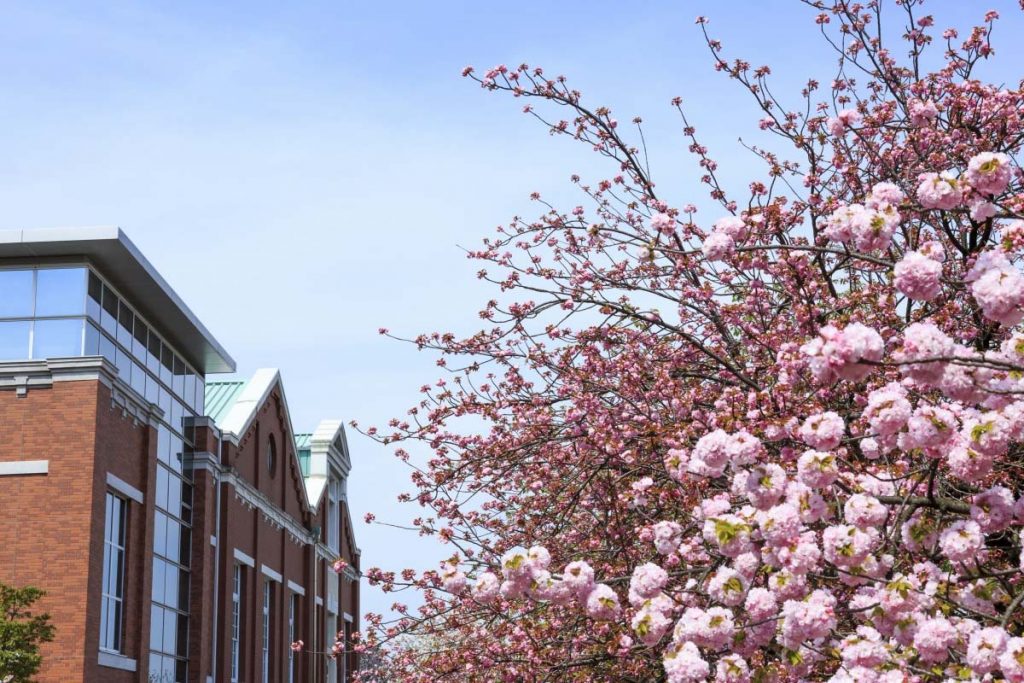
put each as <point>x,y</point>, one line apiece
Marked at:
<point>236,620</point>
<point>112,635</point>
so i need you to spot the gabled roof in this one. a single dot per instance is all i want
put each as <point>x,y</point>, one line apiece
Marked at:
<point>233,405</point>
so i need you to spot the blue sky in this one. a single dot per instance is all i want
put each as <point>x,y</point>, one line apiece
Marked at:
<point>304,173</point>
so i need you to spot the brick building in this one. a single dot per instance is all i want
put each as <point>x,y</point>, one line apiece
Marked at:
<point>182,529</point>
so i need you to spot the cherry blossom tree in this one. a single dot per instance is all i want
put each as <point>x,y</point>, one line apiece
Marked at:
<point>777,443</point>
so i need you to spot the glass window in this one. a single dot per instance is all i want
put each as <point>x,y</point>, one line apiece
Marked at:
<point>163,444</point>
<point>153,357</point>
<point>190,389</point>
<point>92,303</point>
<point>60,291</point>
<point>156,630</point>
<point>108,349</point>
<point>152,389</point>
<point>293,600</point>
<point>161,487</point>
<point>92,340</point>
<point>14,338</point>
<point>138,378</point>
<point>139,342</point>
<point>108,318</point>
<point>236,621</point>
<point>200,395</point>
<point>266,630</point>
<point>271,456</point>
<point>179,377</point>
<point>15,293</point>
<point>124,368</point>
<point>125,325</point>
<point>173,539</point>
<point>112,606</point>
<point>160,533</point>
<point>57,338</point>
<point>166,364</point>
<point>159,577</point>
<point>171,584</point>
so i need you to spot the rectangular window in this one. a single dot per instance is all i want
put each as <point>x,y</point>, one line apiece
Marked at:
<point>60,291</point>
<point>14,339</point>
<point>266,630</point>
<point>236,621</point>
<point>292,610</point>
<point>16,286</point>
<point>112,608</point>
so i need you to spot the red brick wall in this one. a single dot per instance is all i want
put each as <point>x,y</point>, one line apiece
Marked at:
<point>52,536</point>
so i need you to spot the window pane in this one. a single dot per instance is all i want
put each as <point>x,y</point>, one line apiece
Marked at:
<point>15,293</point>
<point>179,377</point>
<point>92,303</point>
<point>138,379</point>
<point>57,338</point>
<point>173,548</point>
<point>139,345</point>
<point>60,291</point>
<point>171,583</point>
<point>170,630</point>
<point>159,570</point>
<point>14,340</point>
<point>108,318</point>
<point>108,349</point>
<point>156,629</point>
<point>92,340</point>
<point>190,389</point>
<point>161,487</point>
<point>125,325</point>
<point>200,395</point>
<point>160,534</point>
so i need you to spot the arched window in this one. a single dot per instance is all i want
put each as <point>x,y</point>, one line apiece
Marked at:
<point>271,455</point>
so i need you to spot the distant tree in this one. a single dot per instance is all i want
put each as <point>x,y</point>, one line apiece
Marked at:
<point>21,633</point>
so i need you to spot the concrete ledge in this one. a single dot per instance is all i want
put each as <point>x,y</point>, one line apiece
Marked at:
<point>244,559</point>
<point>22,467</point>
<point>124,488</point>
<point>115,661</point>
<point>270,573</point>
<point>296,588</point>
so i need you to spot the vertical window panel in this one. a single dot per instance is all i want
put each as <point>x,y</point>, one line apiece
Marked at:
<point>112,604</point>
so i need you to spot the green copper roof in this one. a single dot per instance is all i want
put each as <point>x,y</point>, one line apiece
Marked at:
<point>221,396</point>
<point>302,444</point>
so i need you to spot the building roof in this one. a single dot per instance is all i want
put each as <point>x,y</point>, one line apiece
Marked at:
<point>121,262</point>
<point>221,397</point>
<point>233,405</point>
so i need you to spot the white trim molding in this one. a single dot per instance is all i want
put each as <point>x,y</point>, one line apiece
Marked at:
<point>244,559</point>
<point>271,574</point>
<point>296,588</point>
<point>124,488</point>
<point>347,617</point>
<point>113,660</point>
<point>20,467</point>
<point>319,601</point>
